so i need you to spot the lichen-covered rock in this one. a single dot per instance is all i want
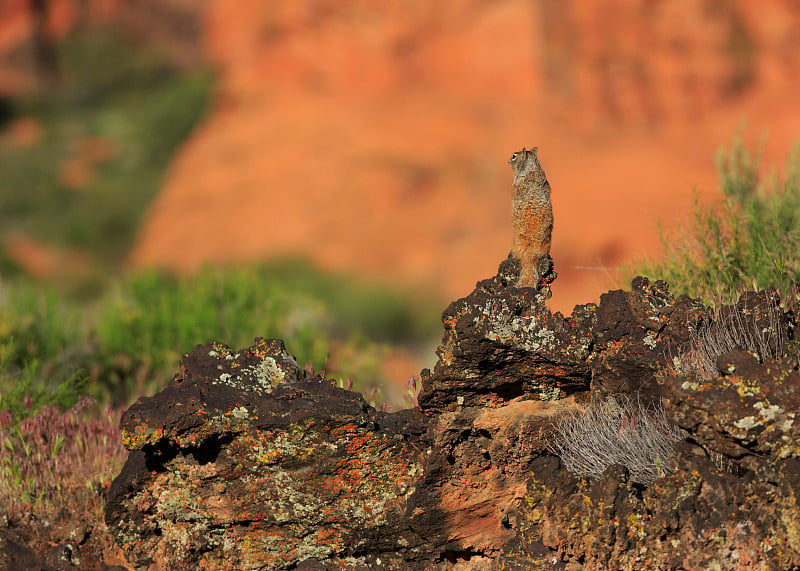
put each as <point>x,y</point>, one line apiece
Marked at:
<point>749,407</point>
<point>242,462</point>
<point>477,471</point>
<point>700,517</point>
<point>636,334</point>
<point>749,410</point>
<point>718,509</point>
<point>501,343</point>
<point>507,366</point>
<point>732,502</point>
<point>245,462</point>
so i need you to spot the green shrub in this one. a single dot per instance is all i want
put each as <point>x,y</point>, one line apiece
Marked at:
<point>42,349</point>
<point>130,340</point>
<point>40,320</point>
<point>25,391</point>
<point>749,241</point>
<point>150,319</point>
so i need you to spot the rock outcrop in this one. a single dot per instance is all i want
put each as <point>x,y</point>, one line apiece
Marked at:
<point>246,461</point>
<point>243,460</point>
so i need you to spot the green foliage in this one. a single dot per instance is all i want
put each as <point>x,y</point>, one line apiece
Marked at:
<point>751,240</point>
<point>25,391</point>
<point>150,319</point>
<point>38,360</point>
<point>116,115</point>
<point>40,321</point>
<point>362,309</point>
<point>129,341</point>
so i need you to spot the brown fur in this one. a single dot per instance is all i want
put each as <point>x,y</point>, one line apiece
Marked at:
<point>531,217</point>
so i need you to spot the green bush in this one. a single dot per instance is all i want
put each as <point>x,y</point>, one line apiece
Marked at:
<point>749,241</point>
<point>39,320</point>
<point>129,341</point>
<point>42,348</point>
<point>23,389</point>
<point>150,319</point>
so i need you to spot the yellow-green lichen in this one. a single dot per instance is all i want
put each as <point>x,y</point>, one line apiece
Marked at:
<point>518,330</point>
<point>140,436</point>
<point>636,527</point>
<point>230,421</point>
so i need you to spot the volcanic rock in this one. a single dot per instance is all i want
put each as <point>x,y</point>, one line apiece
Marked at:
<point>245,460</point>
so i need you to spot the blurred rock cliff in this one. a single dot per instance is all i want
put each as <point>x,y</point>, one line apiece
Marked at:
<point>373,138</point>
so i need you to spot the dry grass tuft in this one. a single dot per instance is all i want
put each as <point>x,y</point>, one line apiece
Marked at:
<point>756,330</point>
<point>618,430</point>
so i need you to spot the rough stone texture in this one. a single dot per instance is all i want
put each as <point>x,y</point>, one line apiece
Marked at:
<point>748,411</point>
<point>501,342</point>
<point>731,504</point>
<point>244,461</point>
<point>635,335</point>
<point>68,547</point>
<point>700,517</point>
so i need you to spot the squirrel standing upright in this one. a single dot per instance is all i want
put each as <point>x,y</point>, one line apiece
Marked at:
<point>531,216</point>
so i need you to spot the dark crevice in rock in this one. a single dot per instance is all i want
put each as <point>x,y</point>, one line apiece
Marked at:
<point>210,449</point>
<point>158,454</point>
<point>510,391</point>
<point>454,556</point>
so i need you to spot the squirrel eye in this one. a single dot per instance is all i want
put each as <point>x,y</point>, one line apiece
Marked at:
<point>514,157</point>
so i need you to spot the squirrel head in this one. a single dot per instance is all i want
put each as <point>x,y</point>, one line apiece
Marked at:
<point>524,161</point>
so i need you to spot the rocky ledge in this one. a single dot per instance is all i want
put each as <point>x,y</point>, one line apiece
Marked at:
<point>245,461</point>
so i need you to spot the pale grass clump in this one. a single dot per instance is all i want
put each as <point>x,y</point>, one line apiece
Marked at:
<point>757,331</point>
<point>617,430</point>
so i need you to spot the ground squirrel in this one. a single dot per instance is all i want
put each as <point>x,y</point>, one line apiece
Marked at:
<point>531,216</point>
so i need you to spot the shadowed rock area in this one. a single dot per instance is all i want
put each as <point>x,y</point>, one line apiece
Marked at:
<point>247,461</point>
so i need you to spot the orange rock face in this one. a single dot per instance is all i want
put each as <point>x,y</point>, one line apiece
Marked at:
<point>373,138</point>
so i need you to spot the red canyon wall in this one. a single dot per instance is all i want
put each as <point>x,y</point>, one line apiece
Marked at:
<point>373,137</point>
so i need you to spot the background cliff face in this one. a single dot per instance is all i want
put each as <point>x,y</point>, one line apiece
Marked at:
<point>374,139</point>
